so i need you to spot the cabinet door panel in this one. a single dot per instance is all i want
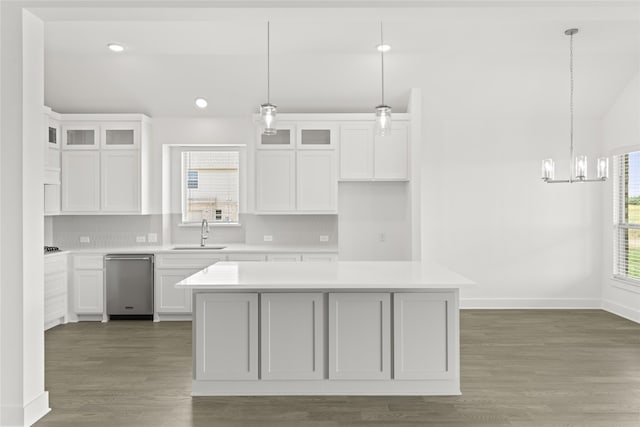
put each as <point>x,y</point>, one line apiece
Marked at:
<point>391,154</point>
<point>292,336</point>
<point>120,181</point>
<point>226,336</point>
<point>317,184</point>
<point>356,151</point>
<point>169,299</point>
<point>80,137</point>
<point>285,138</point>
<point>317,135</point>
<point>88,291</point>
<point>422,335</point>
<point>120,135</point>
<point>80,181</point>
<point>359,336</point>
<point>275,185</point>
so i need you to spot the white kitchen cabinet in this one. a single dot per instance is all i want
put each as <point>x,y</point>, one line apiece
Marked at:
<point>247,257</point>
<point>317,181</point>
<point>423,325</point>
<point>365,156</point>
<point>284,257</point>
<point>275,181</point>
<point>120,135</point>
<point>226,336</point>
<point>81,181</point>
<point>88,289</point>
<point>391,154</point>
<point>51,147</point>
<point>51,199</point>
<point>120,181</point>
<point>319,257</point>
<point>317,135</point>
<point>80,136</point>
<point>359,336</point>
<point>356,151</point>
<point>292,335</point>
<point>285,138</point>
<point>55,289</point>
<point>169,299</point>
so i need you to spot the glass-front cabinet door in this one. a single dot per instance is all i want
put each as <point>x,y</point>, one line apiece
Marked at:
<point>317,136</point>
<point>120,135</point>
<point>285,138</point>
<point>80,137</point>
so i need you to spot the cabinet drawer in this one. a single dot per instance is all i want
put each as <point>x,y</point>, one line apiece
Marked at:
<point>319,257</point>
<point>55,307</point>
<point>191,260</point>
<point>284,257</point>
<point>247,257</point>
<point>85,262</point>
<point>54,264</point>
<point>55,284</point>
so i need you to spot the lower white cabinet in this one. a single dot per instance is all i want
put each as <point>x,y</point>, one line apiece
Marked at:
<point>226,336</point>
<point>88,290</point>
<point>55,290</point>
<point>292,336</point>
<point>169,299</point>
<point>359,336</point>
<point>422,346</point>
<point>319,257</point>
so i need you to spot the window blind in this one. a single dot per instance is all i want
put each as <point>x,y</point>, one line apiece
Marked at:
<point>626,216</point>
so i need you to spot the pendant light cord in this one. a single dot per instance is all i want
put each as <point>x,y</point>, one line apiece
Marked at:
<point>571,101</point>
<point>382,60</point>
<point>268,63</point>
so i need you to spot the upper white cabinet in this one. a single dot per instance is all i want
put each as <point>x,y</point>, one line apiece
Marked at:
<point>317,135</point>
<point>105,163</point>
<point>275,181</point>
<point>285,138</point>
<point>365,156</point>
<point>317,186</point>
<point>51,147</point>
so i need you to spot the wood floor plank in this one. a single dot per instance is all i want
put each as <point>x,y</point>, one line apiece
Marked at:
<point>519,368</point>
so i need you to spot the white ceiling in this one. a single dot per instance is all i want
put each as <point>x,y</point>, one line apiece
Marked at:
<point>465,65</point>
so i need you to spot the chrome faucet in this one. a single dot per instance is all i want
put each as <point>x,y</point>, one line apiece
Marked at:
<point>204,232</point>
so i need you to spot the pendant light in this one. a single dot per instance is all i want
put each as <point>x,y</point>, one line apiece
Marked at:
<point>268,111</point>
<point>577,173</point>
<point>383,112</point>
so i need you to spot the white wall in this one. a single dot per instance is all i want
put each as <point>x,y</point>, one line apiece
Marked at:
<point>487,215</point>
<point>621,134</point>
<point>22,396</point>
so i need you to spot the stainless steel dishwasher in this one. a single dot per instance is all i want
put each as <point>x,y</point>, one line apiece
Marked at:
<point>129,282</point>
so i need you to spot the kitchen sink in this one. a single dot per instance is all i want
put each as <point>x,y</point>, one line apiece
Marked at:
<point>198,247</point>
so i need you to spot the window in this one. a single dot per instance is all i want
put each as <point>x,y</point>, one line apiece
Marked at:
<point>210,186</point>
<point>626,252</point>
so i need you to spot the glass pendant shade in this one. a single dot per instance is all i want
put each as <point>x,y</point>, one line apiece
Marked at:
<point>548,169</point>
<point>268,119</point>
<point>383,120</point>
<point>603,167</point>
<point>581,166</point>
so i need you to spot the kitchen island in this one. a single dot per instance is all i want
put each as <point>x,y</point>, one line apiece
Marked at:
<point>335,328</point>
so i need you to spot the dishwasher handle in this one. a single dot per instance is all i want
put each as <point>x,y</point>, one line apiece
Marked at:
<point>109,258</point>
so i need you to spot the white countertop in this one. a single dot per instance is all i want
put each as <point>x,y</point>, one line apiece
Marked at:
<point>229,248</point>
<point>325,275</point>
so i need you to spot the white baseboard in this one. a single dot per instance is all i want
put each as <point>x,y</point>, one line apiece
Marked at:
<point>18,416</point>
<point>621,310</point>
<point>529,303</point>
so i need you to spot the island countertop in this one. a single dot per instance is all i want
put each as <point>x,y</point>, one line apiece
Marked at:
<point>391,275</point>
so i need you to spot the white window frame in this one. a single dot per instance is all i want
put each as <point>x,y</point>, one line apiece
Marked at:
<point>241,150</point>
<point>619,222</point>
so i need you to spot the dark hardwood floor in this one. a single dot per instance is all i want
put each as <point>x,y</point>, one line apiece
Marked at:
<point>519,367</point>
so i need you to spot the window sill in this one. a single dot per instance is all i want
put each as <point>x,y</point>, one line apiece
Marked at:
<point>626,284</point>
<point>211,224</point>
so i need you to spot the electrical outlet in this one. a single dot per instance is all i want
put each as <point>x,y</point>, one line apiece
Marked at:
<point>382,238</point>
<point>85,239</point>
<point>152,237</point>
<point>141,239</point>
<point>268,238</point>
<point>324,238</point>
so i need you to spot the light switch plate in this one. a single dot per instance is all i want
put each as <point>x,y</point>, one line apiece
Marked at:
<point>152,237</point>
<point>268,238</point>
<point>324,238</point>
<point>85,239</point>
<point>141,239</point>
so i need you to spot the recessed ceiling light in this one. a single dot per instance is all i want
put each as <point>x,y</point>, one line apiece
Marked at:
<point>383,47</point>
<point>201,103</point>
<point>115,47</point>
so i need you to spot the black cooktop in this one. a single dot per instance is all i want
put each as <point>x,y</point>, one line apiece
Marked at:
<point>51,249</point>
